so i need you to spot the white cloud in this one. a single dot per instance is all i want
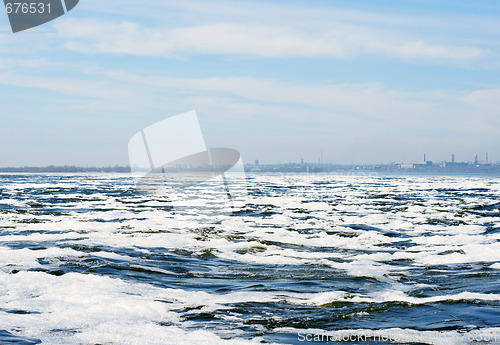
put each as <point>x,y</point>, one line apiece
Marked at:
<point>289,114</point>
<point>418,50</point>
<point>126,91</point>
<point>365,100</point>
<point>485,99</point>
<point>121,92</point>
<point>254,40</point>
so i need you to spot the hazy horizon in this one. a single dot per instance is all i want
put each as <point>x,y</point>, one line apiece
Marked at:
<point>481,159</point>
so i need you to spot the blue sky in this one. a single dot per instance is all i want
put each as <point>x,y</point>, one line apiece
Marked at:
<point>278,80</point>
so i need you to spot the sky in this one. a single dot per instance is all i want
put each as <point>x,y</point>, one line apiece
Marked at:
<point>280,81</point>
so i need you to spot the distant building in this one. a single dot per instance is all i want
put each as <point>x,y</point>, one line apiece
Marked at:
<point>455,164</point>
<point>424,164</point>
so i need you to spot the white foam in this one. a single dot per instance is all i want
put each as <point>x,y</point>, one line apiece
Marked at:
<point>104,310</point>
<point>390,295</point>
<point>312,226</point>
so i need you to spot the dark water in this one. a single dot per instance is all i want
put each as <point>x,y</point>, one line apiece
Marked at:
<point>85,259</point>
<point>7,338</point>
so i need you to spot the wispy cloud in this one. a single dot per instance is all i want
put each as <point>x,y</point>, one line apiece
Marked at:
<point>106,37</point>
<point>126,92</point>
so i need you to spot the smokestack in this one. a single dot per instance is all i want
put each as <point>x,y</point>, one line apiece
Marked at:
<point>486,157</point>
<point>453,158</point>
<point>425,160</point>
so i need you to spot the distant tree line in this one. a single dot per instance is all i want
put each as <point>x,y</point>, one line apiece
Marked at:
<point>66,169</point>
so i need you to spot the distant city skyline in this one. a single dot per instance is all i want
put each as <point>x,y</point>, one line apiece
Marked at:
<point>368,82</point>
<point>425,158</point>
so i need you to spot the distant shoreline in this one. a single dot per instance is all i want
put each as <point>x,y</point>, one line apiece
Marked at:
<point>64,169</point>
<point>389,168</point>
<point>286,168</point>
